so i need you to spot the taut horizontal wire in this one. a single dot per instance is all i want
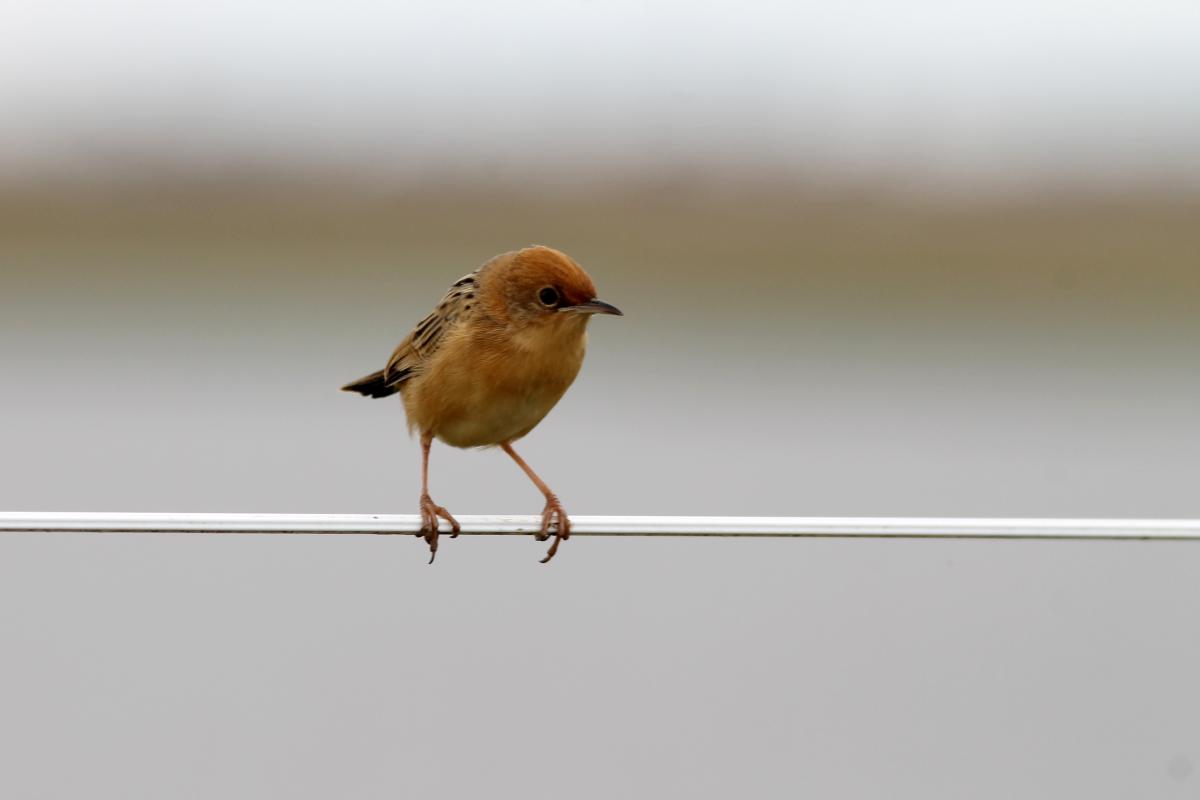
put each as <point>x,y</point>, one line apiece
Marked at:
<point>486,525</point>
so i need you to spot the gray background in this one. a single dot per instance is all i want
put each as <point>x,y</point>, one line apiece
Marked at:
<point>874,261</point>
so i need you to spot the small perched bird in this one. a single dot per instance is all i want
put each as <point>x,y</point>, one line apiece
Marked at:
<point>489,363</point>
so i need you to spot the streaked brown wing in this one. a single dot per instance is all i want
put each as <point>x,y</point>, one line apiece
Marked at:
<point>429,333</point>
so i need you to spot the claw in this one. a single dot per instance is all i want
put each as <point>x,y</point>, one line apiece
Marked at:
<point>430,512</point>
<point>562,526</point>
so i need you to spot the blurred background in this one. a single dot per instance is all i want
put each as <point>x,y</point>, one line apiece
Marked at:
<point>876,259</point>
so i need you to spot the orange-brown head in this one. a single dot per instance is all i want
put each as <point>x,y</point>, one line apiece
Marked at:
<point>540,285</point>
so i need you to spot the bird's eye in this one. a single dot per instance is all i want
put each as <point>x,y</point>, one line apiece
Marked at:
<point>548,296</point>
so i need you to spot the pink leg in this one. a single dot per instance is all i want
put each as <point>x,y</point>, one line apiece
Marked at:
<point>553,507</point>
<point>430,511</point>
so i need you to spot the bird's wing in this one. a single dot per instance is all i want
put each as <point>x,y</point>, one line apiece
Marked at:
<point>429,333</point>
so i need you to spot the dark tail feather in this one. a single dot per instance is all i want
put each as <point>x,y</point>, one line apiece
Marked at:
<point>372,386</point>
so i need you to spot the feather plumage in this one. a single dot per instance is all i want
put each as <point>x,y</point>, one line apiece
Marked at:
<point>422,342</point>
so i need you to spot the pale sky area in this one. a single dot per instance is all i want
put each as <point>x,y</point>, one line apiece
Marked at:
<point>945,91</point>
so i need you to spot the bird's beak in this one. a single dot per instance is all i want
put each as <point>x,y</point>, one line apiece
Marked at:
<point>594,307</point>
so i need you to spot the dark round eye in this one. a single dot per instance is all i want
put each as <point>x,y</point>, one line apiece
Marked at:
<point>548,296</point>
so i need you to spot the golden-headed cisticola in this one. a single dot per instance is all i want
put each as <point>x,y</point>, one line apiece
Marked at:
<point>489,363</point>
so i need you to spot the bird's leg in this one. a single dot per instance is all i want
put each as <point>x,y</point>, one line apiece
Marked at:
<point>553,515</point>
<point>430,511</point>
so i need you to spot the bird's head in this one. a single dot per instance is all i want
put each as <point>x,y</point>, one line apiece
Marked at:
<point>542,286</point>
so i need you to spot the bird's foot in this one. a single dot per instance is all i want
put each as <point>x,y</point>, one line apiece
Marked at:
<point>430,511</point>
<point>554,516</point>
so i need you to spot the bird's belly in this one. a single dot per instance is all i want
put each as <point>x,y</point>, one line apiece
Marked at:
<point>469,401</point>
<point>465,410</point>
<point>495,419</point>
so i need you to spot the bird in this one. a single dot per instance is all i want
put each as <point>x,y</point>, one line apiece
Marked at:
<point>489,363</point>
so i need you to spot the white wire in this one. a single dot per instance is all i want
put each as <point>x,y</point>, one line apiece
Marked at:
<point>823,527</point>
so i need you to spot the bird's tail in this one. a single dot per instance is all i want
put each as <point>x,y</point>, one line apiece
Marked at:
<point>372,385</point>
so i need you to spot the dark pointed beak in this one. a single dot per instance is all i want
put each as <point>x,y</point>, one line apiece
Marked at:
<point>594,307</point>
